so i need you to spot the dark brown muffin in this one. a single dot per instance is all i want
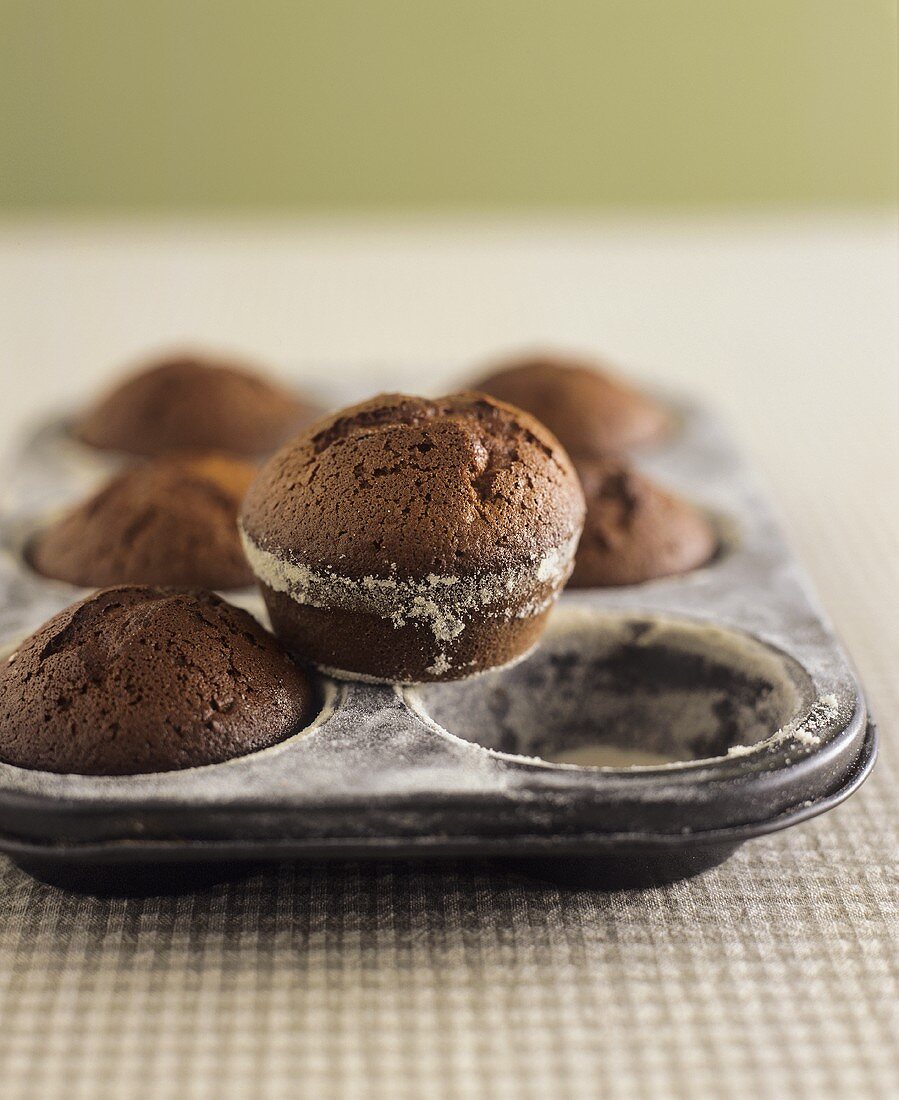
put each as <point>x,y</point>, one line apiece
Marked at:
<point>405,539</point>
<point>590,412</point>
<point>136,679</point>
<point>188,402</point>
<point>172,521</point>
<point>635,531</point>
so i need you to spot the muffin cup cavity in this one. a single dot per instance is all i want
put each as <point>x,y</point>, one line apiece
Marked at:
<point>621,691</point>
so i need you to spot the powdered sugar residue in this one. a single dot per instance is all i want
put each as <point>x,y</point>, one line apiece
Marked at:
<point>807,730</point>
<point>821,715</point>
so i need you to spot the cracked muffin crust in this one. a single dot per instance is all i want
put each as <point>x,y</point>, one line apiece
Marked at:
<point>198,403</point>
<point>590,412</point>
<point>405,539</point>
<point>635,531</point>
<point>139,679</point>
<point>171,521</point>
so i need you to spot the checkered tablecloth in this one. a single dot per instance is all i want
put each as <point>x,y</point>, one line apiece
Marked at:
<point>774,975</point>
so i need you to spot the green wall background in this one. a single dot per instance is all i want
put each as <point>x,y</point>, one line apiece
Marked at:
<point>182,105</point>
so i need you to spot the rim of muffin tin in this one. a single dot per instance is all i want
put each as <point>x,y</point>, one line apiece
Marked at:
<point>766,780</point>
<point>751,587</point>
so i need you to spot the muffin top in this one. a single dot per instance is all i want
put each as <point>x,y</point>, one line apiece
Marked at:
<point>635,531</point>
<point>404,487</point>
<point>170,521</point>
<point>191,402</point>
<point>591,412</point>
<point>138,679</point>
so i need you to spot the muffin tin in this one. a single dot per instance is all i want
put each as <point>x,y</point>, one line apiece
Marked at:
<point>720,703</point>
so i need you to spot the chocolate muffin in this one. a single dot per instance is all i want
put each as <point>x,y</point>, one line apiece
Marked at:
<point>171,521</point>
<point>405,539</point>
<point>136,679</point>
<point>635,531</point>
<point>188,402</point>
<point>590,412</point>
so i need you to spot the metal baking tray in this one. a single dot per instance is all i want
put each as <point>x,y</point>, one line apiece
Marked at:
<point>731,671</point>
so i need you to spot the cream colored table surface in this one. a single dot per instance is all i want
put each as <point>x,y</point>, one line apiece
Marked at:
<point>775,975</point>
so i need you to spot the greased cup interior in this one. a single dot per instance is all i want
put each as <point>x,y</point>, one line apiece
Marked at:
<point>626,691</point>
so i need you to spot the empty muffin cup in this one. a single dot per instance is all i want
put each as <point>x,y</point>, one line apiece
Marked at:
<point>621,691</point>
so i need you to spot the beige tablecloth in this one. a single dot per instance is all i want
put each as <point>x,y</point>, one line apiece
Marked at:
<point>775,975</point>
